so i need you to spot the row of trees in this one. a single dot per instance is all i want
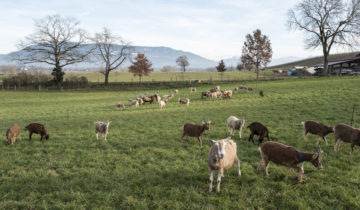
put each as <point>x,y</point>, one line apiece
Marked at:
<point>60,42</point>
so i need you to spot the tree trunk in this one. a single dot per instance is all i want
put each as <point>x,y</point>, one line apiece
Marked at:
<point>326,62</point>
<point>257,73</point>
<point>106,77</point>
<point>139,79</point>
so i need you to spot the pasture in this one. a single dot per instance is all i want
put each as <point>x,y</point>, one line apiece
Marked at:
<point>143,165</point>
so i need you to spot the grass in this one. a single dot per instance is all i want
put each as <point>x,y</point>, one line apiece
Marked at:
<point>143,165</point>
<point>166,76</point>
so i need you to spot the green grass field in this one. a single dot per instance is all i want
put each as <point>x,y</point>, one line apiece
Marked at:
<point>144,166</point>
<point>168,76</point>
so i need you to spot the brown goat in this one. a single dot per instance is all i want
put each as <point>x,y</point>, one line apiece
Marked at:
<point>261,93</point>
<point>347,134</point>
<point>259,129</point>
<point>222,156</point>
<point>38,129</point>
<point>194,130</point>
<point>149,99</point>
<point>204,93</point>
<point>12,133</point>
<point>250,89</point>
<point>287,156</point>
<point>317,129</point>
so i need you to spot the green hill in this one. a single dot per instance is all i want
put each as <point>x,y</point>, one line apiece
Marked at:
<point>314,60</point>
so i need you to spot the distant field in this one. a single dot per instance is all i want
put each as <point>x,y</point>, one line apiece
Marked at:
<point>143,165</point>
<point>168,76</point>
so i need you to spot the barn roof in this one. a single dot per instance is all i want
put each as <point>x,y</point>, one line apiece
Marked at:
<point>338,61</point>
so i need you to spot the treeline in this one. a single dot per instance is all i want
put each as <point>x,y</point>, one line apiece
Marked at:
<point>28,80</point>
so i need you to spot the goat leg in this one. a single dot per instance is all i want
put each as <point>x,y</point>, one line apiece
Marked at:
<point>237,162</point>
<point>218,182</point>
<point>324,137</point>
<point>199,139</point>
<point>211,174</point>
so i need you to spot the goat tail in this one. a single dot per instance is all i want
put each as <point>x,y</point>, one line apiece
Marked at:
<point>303,123</point>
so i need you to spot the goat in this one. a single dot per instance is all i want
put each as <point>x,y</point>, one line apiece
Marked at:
<point>236,89</point>
<point>222,156</point>
<point>212,95</point>
<point>162,104</point>
<point>168,96</point>
<point>347,134</point>
<point>261,93</point>
<point>157,97</point>
<point>250,89</point>
<point>287,156</point>
<point>176,91</point>
<point>204,93</point>
<point>134,102</point>
<point>184,101</point>
<point>227,94</point>
<point>194,130</point>
<point>13,132</point>
<point>219,94</point>
<point>102,128</point>
<point>148,99</point>
<point>259,129</point>
<point>316,128</point>
<point>120,105</point>
<point>141,102</point>
<point>192,89</point>
<point>242,87</point>
<point>234,123</point>
<point>38,129</point>
<point>217,88</point>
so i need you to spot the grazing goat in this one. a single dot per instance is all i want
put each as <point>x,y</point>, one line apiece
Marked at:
<point>176,91</point>
<point>12,133</point>
<point>287,156</point>
<point>141,102</point>
<point>219,94</point>
<point>148,99</point>
<point>212,95</point>
<point>162,104</point>
<point>38,129</point>
<point>318,129</point>
<point>347,134</point>
<point>227,94</point>
<point>222,156</point>
<point>120,106</point>
<point>261,93</point>
<point>250,89</point>
<point>236,89</point>
<point>195,130</point>
<point>102,128</point>
<point>259,129</point>
<point>184,101</point>
<point>234,123</point>
<point>204,93</point>
<point>134,102</point>
<point>192,89</point>
<point>242,87</point>
<point>168,96</point>
<point>217,88</point>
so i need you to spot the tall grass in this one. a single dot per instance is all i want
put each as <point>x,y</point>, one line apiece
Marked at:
<point>144,166</point>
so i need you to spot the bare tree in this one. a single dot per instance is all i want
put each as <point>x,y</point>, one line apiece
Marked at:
<point>113,51</point>
<point>221,68</point>
<point>141,67</point>
<point>327,23</point>
<point>57,42</point>
<point>183,62</point>
<point>257,51</point>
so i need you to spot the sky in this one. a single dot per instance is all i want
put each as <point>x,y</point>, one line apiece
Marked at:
<point>214,29</point>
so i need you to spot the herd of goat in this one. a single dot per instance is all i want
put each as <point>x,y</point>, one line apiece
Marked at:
<point>223,153</point>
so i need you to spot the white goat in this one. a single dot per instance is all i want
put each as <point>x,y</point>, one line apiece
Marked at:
<point>176,91</point>
<point>222,156</point>
<point>102,128</point>
<point>234,123</point>
<point>192,89</point>
<point>162,104</point>
<point>134,102</point>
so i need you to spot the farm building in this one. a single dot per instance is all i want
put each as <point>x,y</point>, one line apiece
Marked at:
<point>342,66</point>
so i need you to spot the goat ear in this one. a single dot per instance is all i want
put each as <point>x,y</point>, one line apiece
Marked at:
<point>212,141</point>
<point>227,139</point>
